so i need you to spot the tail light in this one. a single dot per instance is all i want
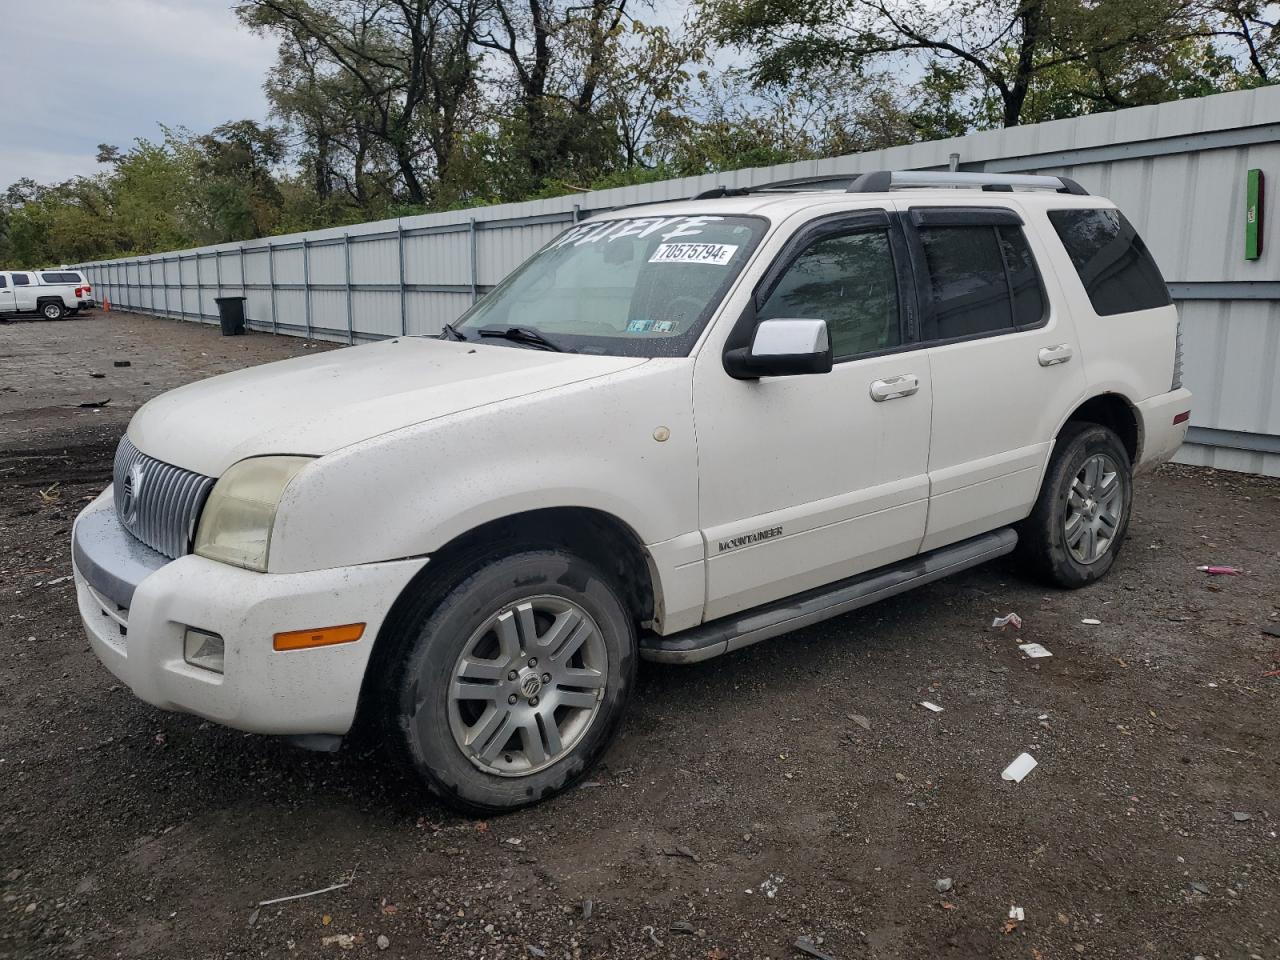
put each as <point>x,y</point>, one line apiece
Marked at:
<point>1177,358</point>
<point>79,291</point>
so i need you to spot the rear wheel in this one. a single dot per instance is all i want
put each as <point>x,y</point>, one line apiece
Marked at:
<point>52,310</point>
<point>1080,520</point>
<point>514,683</point>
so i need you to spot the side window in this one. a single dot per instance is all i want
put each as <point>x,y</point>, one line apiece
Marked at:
<point>849,281</point>
<point>1114,264</point>
<point>967,284</point>
<point>1028,293</point>
<point>982,279</point>
<point>3,281</point>
<point>21,280</point>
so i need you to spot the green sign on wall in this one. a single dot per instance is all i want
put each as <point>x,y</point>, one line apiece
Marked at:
<point>1253,215</point>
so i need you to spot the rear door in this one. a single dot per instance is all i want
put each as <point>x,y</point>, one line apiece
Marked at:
<point>6,295</point>
<point>1003,359</point>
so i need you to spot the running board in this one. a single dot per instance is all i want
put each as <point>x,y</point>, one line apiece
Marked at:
<point>741,630</point>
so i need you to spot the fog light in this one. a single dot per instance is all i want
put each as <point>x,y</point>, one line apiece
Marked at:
<point>202,650</point>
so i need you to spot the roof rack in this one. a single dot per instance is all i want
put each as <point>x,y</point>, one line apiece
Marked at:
<point>884,180</point>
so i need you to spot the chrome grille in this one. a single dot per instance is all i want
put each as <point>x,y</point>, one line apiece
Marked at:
<point>157,502</point>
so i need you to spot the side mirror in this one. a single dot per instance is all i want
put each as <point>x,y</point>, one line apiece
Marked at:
<point>782,348</point>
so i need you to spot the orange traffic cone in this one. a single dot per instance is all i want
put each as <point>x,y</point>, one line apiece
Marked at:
<point>106,304</point>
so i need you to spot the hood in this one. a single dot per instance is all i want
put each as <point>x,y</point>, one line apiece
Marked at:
<point>316,404</point>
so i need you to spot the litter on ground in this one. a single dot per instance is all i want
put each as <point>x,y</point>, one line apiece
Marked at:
<point>805,945</point>
<point>1221,571</point>
<point>1008,618</point>
<point>1092,622</point>
<point>1017,913</point>
<point>860,720</point>
<point>1034,650</point>
<point>310,893</point>
<point>930,706</point>
<point>1020,767</point>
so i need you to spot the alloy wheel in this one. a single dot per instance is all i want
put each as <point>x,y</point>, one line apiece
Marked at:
<point>1095,509</point>
<point>527,685</point>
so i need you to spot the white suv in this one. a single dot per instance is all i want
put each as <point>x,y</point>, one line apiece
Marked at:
<point>674,431</point>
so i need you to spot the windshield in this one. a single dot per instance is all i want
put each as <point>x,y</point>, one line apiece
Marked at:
<point>642,286</point>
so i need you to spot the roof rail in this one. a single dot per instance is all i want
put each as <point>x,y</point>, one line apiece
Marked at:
<point>715,193</point>
<point>831,181</point>
<point>884,180</point>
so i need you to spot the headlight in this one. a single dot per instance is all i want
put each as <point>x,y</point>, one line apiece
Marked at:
<point>235,525</point>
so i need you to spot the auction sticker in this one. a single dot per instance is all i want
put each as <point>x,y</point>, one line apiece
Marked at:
<point>717,254</point>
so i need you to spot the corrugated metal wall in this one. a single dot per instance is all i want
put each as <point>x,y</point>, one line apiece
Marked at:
<point>1177,170</point>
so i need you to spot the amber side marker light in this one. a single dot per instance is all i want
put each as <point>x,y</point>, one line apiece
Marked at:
<point>319,637</point>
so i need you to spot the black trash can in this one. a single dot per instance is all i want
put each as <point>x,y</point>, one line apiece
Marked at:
<point>231,313</point>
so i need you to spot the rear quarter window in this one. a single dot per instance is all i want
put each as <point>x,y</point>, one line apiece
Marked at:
<point>60,277</point>
<point>1117,270</point>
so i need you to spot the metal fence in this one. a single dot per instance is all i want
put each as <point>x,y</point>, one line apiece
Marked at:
<point>1177,170</point>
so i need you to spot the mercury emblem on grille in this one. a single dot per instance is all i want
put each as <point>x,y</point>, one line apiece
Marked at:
<point>132,492</point>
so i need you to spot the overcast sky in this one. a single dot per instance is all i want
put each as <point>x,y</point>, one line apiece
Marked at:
<point>77,73</point>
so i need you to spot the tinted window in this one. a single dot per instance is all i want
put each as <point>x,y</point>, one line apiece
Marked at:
<point>848,281</point>
<point>1115,267</point>
<point>967,284</point>
<point>1028,294</point>
<point>3,281</point>
<point>21,280</point>
<point>60,277</point>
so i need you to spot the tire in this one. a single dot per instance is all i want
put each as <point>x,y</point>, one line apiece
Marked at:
<point>1078,524</point>
<point>484,742</point>
<point>52,310</point>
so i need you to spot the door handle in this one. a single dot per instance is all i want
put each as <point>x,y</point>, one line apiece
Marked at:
<point>891,388</point>
<point>1058,353</point>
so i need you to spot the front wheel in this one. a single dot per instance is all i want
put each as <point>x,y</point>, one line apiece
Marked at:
<point>513,685</point>
<point>52,310</point>
<point>1079,521</point>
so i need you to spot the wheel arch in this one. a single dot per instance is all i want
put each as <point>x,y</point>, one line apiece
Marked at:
<point>1115,412</point>
<point>595,535</point>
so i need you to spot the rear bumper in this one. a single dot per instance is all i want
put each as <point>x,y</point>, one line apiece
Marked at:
<point>137,605</point>
<point>1161,437</point>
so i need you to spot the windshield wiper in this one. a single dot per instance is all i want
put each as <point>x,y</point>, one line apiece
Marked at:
<point>450,332</point>
<point>521,335</point>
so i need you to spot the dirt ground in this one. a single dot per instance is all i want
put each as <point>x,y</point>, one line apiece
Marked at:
<point>742,808</point>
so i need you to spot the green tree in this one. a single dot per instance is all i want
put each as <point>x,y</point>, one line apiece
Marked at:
<point>1009,46</point>
<point>412,62</point>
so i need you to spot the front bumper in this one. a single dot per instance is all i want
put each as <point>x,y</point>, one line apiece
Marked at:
<point>137,604</point>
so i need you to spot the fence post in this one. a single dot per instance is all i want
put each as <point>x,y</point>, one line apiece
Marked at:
<point>271,279</point>
<point>164,274</point>
<point>244,285</point>
<point>182,291</point>
<point>577,212</point>
<point>346,257</point>
<point>151,281</point>
<point>217,274</point>
<point>471,238</point>
<point>404,320</point>
<point>306,283</point>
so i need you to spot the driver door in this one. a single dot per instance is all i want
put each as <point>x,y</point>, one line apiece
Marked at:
<point>809,479</point>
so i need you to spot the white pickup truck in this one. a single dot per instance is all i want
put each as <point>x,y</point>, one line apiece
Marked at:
<point>674,431</point>
<point>53,294</point>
